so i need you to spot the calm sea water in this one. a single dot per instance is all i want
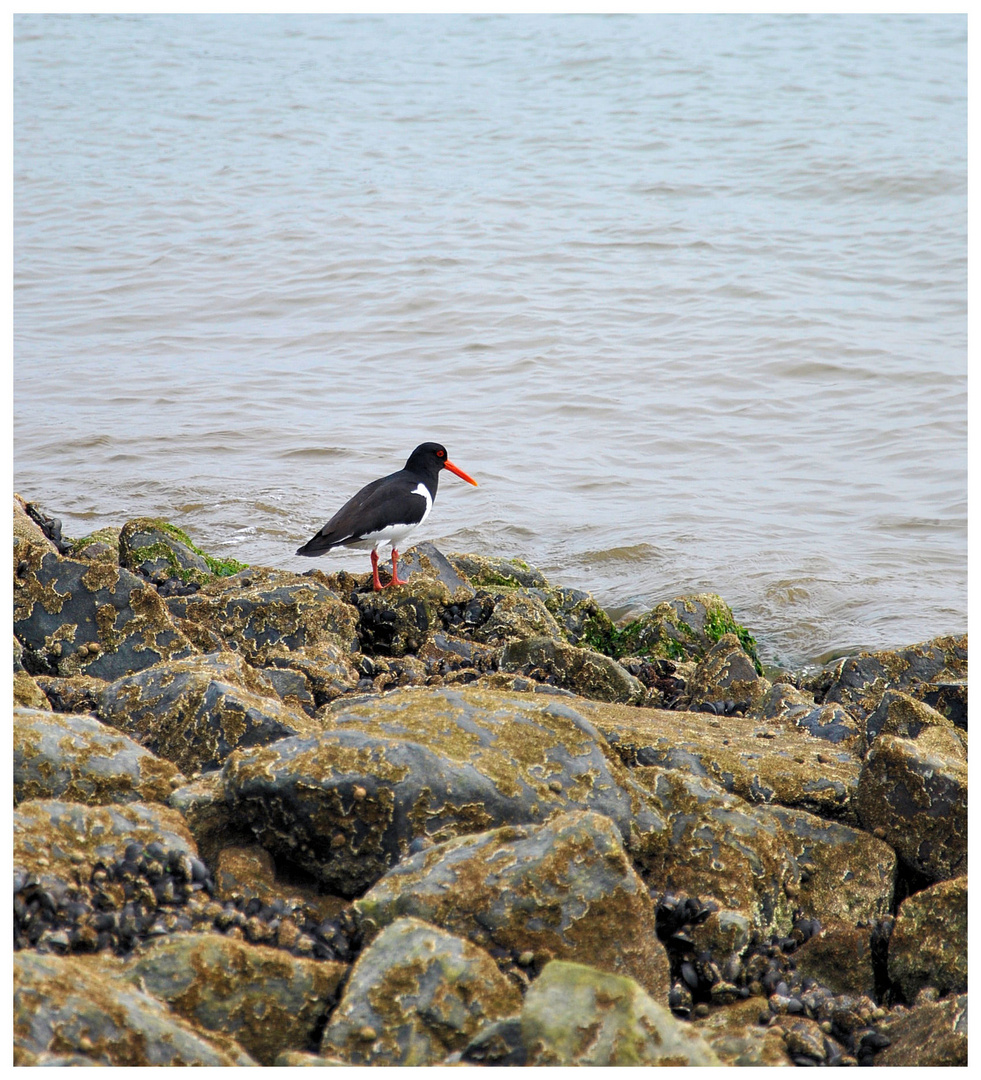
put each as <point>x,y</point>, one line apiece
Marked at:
<point>687,295</point>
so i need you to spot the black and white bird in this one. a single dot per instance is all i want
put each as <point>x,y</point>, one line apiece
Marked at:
<point>384,512</point>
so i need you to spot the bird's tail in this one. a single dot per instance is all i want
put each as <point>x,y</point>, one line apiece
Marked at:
<point>316,545</point>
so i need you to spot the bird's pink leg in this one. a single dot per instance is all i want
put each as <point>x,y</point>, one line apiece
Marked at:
<point>396,580</point>
<point>374,571</point>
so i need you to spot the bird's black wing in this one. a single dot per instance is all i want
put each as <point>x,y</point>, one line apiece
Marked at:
<point>378,504</point>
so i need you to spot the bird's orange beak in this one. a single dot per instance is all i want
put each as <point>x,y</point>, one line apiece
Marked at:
<point>459,472</point>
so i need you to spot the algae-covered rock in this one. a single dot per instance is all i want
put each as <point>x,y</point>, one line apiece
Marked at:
<point>683,629</point>
<point>68,840</point>
<point>74,757</point>
<point>395,622</point>
<point>846,874</point>
<point>727,673</point>
<point>913,794</point>
<point>760,761</point>
<point>516,616</point>
<point>99,546</point>
<point>723,848</point>
<point>737,1037</point>
<point>83,1008</point>
<point>326,667</point>
<point>346,805</point>
<point>576,1015</point>
<point>415,995</point>
<point>840,957</point>
<point>26,527</point>
<point>496,573</point>
<point>532,893</point>
<point>156,549</point>
<point>907,717</point>
<point>194,712</point>
<point>858,682</point>
<point>928,946</point>
<point>95,619</point>
<point>265,999</point>
<point>931,1033</point>
<point>589,674</point>
<point>260,611</point>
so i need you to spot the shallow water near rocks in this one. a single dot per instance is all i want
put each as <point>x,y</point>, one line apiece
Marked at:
<point>687,296</point>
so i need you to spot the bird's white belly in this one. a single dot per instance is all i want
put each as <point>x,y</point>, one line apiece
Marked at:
<point>393,535</point>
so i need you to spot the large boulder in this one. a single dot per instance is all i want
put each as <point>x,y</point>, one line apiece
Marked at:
<point>265,999</point>
<point>82,1011</point>
<point>584,672</point>
<point>761,761</point>
<point>415,995</point>
<point>532,893</point>
<point>194,712</point>
<point>419,763</point>
<point>575,1015</point>
<point>912,793</point>
<point>259,611</point>
<point>928,946</point>
<point>923,671</point>
<point>86,618</point>
<point>74,757</point>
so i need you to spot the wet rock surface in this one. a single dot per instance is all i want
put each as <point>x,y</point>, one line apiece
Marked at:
<point>282,819</point>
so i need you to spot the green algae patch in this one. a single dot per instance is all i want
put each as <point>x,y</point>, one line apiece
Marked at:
<point>154,547</point>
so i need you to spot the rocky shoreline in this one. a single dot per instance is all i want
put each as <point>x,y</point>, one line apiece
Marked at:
<point>270,818</point>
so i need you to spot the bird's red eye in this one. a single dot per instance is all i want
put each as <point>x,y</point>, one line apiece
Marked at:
<point>441,453</point>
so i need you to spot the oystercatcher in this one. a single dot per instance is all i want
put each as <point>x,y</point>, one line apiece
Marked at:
<point>385,511</point>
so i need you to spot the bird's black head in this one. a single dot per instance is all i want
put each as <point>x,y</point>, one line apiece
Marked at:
<point>429,457</point>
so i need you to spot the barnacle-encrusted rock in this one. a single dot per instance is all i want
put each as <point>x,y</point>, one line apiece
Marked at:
<point>260,611</point>
<point>737,1038</point>
<point>264,998</point>
<point>66,839</point>
<point>931,1033</point>
<point>91,618</point>
<point>326,667</point>
<point>723,848</point>
<point>415,995</point>
<point>587,673</point>
<point>74,757</point>
<point>913,794</point>
<point>194,712</point>
<point>727,672</point>
<point>27,529</point>
<point>157,550</point>
<point>425,560</point>
<point>100,546</point>
<point>495,573</point>
<point>564,889</point>
<point>27,693</point>
<point>907,717</point>
<point>82,1007</point>
<point>839,957</point>
<point>576,1015</point>
<point>928,946</point>
<point>517,615</point>
<point>846,874</point>
<point>437,763</point>
<point>858,682</point>
<point>760,761</point>
<point>398,621</point>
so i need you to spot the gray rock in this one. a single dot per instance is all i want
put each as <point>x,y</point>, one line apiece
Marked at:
<point>156,550</point>
<point>858,682</point>
<point>912,793</point>
<point>82,1008</point>
<point>415,995</point>
<point>928,946</point>
<point>265,999</point>
<point>194,712</point>
<point>436,763</point>
<point>931,1033</point>
<point>589,674</point>
<point>89,618</point>
<point>530,893</point>
<point>727,673</point>
<point>575,1015</point>
<point>74,757</point>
